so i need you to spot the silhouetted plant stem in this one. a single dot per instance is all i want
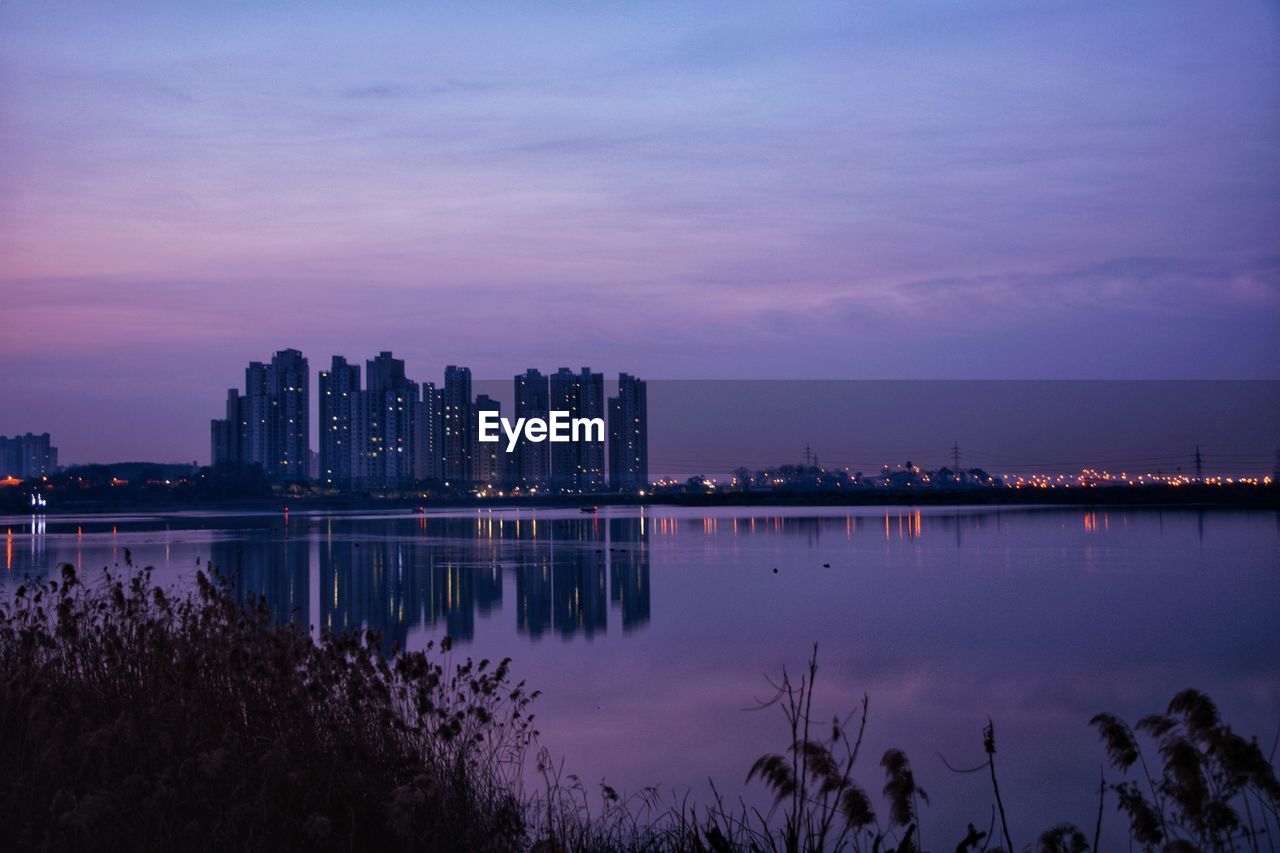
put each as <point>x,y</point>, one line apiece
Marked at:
<point>1102,793</point>
<point>1155,794</point>
<point>989,742</point>
<point>1266,826</point>
<point>793,821</point>
<point>831,802</point>
<point>807,700</point>
<point>1263,814</point>
<point>1253,832</point>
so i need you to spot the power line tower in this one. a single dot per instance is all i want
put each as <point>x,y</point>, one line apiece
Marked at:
<point>808,455</point>
<point>1199,465</point>
<point>1275,472</point>
<point>955,457</point>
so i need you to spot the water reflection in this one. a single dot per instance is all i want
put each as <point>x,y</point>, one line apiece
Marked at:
<point>665,621</point>
<point>401,573</point>
<point>629,571</point>
<point>276,572</point>
<point>441,573</point>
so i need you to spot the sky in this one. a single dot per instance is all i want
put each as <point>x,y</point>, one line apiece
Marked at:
<point>842,190</point>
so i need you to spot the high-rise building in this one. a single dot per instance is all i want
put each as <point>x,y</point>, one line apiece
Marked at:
<point>532,462</point>
<point>226,433</point>
<point>291,387</point>
<point>590,476</point>
<point>339,389</point>
<point>577,466</point>
<point>219,442</point>
<point>257,412</point>
<point>388,412</point>
<point>456,425</point>
<point>629,435</point>
<point>428,456</point>
<point>27,456</point>
<point>489,457</point>
<point>270,424</point>
<point>565,390</point>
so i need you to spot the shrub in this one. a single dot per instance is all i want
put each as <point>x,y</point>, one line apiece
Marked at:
<point>133,719</point>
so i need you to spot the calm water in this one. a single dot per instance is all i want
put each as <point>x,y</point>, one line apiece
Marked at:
<point>649,631</point>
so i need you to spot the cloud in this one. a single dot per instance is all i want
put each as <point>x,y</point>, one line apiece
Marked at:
<point>1154,285</point>
<point>388,90</point>
<point>379,90</point>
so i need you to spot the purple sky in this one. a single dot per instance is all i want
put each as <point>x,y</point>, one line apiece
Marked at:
<point>714,190</point>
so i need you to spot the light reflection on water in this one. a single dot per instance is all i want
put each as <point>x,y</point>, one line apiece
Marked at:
<point>649,630</point>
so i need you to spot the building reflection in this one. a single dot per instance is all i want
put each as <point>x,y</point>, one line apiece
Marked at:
<point>444,574</point>
<point>393,584</point>
<point>579,598</point>
<point>406,576</point>
<point>629,571</point>
<point>275,572</point>
<point>533,593</point>
<point>566,577</point>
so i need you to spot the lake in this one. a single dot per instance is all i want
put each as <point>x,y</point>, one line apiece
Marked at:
<point>652,631</point>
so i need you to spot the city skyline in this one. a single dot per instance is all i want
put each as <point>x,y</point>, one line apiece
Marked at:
<point>1031,429</point>
<point>1008,428</point>
<point>391,432</point>
<point>1036,429</point>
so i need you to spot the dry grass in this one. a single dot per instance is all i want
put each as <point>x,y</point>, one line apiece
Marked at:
<point>132,718</point>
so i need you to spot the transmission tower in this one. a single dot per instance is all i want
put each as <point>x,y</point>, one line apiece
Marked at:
<point>1199,465</point>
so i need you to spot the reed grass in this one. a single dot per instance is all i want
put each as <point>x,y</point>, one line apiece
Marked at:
<point>135,718</point>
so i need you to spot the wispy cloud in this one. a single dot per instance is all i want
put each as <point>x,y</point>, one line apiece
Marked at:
<point>389,90</point>
<point>1152,285</point>
<point>379,90</point>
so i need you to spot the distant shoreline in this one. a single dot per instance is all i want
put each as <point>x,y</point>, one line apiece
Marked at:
<point>1253,497</point>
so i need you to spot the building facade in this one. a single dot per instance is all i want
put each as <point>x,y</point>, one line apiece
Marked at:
<point>27,456</point>
<point>456,425</point>
<point>225,433</point>
<point>270,424</point>
<point>531,460</point>
<point>428,457</point>
<point>590,460</point>
<point>369,436</point>
<point>388,410</point>
<point>577,466</point>
<point>339,389</point>
<point>290,387</point>
<point>629,435</point>
<point>490,465</point>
